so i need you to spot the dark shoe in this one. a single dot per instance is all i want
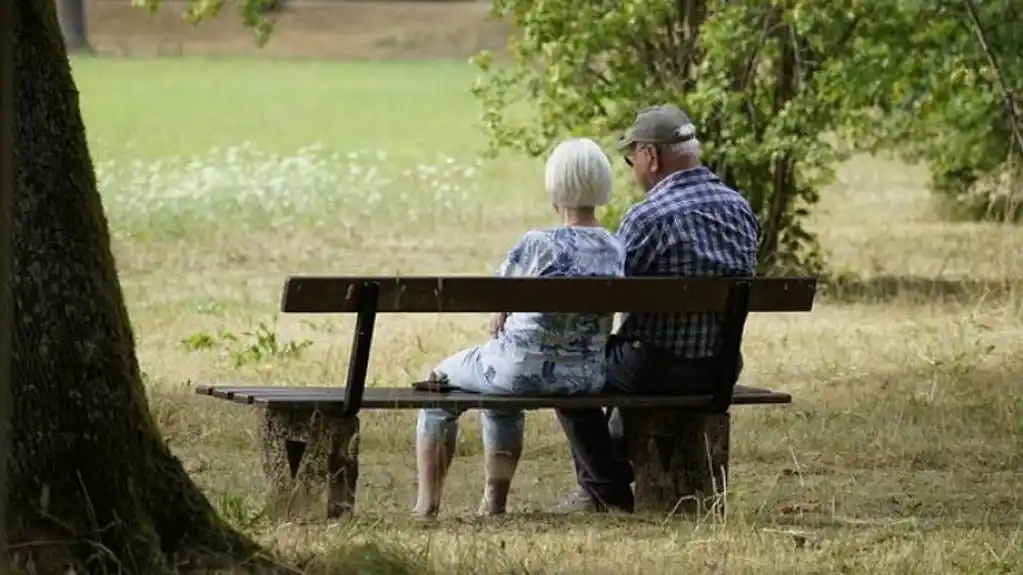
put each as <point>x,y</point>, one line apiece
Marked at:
<point>582,501</point>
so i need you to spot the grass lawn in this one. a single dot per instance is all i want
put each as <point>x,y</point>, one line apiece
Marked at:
<point>903,452</point>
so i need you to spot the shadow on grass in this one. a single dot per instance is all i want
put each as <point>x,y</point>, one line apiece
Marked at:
<point>920,290</point>
<point>379,557</point>
<point>959,415</point>
<point>370,558</point>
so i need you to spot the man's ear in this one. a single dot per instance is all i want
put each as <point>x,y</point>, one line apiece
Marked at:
<point>654,165</point>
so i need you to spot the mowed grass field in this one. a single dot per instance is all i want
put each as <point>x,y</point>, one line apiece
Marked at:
<point>903,451</point>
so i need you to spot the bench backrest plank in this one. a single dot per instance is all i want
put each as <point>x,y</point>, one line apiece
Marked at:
<point>467,294</point>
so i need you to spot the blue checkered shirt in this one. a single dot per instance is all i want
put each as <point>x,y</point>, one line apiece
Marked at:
<point>689,224</point>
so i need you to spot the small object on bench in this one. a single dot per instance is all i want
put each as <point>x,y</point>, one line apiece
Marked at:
<point>437,383</point>
<point>679,445</point>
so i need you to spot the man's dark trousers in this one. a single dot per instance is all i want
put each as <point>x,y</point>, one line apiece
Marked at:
<point>597,438</point>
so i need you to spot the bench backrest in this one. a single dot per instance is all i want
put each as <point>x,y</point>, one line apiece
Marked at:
<point>581,295</point>
<point>368,296</point>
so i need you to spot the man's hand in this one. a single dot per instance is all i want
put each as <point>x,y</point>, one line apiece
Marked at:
<point>497,322</point>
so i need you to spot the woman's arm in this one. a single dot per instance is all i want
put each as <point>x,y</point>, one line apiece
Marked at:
<point>518,263</point>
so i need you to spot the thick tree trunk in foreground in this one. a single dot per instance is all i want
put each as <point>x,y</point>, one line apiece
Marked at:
<point>6,241</point>
<point>88,468</point>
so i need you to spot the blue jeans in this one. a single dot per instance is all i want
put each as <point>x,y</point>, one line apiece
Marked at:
<point>503,429</point>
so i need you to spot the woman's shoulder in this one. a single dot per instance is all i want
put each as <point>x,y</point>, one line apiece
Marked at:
<point>588,247</point>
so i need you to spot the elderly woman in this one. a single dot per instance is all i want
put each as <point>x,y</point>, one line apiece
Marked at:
<point>530,353</point>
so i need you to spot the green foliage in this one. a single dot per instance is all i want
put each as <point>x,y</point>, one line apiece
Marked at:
<point>611,215</point>
<point>962,129</point>
<point>260,345</point>
<point>740,69</point>
<point>255,14</point>
<point>764,81</point>
<point>929,93</point>
<point>238,510</point>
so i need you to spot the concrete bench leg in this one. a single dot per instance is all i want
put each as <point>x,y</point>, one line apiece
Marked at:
<point>680,459</point>
<point>311,463</point>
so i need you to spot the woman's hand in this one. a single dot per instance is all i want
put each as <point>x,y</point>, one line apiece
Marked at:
<point>497,322</point>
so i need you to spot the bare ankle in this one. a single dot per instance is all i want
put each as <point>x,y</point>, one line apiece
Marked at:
<point>500,468</point>
<point>426,510</point>
<point>432,460</point>
<point>495,497</point>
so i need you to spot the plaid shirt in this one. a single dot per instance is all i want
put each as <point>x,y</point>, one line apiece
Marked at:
<point>690,224</point>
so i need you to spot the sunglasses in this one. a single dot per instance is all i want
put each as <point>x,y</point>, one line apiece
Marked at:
<point>638,147</point>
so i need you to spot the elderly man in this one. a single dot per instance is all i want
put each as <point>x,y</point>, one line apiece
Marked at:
<point>689,224</point>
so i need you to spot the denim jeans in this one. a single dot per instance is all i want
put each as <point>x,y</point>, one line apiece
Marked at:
<point>503,429</point>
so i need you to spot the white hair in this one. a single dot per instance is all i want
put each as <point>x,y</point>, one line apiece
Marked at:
<point>578,174</point>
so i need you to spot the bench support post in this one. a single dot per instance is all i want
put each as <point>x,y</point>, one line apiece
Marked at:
<point>311,463</point>
<point>680,458</point>
<point>730,357</point>
<point>367,296</point>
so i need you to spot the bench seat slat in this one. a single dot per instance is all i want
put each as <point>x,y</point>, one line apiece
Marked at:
<point>332,398</point>
<point>469,294</point>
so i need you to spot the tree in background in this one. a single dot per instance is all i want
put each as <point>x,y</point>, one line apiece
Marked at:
<point>946,80</point>
<point>747,75</point>
<point>72,25</point>
<point>781,90</point>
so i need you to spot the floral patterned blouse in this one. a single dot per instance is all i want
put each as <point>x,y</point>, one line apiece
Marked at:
<point>554,353</point>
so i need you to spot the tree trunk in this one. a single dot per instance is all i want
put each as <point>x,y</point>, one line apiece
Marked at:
<point>88,467</point>
<point>71,14</point>
<point>6,242</point>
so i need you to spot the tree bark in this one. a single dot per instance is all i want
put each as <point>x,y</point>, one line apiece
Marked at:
<point>71,14</point>
<point>92,485</point>
<point>6,243</point>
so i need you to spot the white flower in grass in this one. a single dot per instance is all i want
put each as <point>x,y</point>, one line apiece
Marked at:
<point>245,186</point>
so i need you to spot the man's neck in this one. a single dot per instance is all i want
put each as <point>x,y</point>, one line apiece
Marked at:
<point>671,174</point>
<point>682,166</point>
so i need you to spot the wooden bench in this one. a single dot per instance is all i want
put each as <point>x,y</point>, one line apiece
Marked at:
<point>678,444</point>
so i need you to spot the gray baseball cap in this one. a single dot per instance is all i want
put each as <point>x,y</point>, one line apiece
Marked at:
<point>664,124</point>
